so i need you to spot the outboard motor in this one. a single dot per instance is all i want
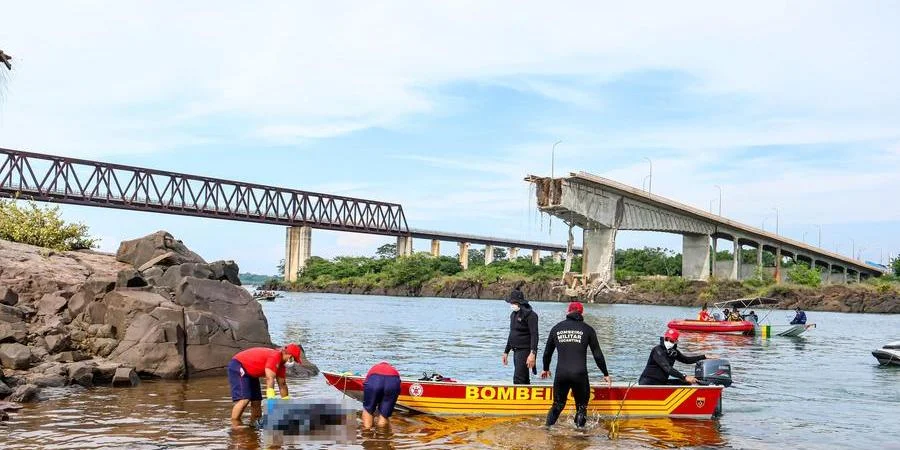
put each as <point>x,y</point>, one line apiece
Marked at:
<point>713,371</point>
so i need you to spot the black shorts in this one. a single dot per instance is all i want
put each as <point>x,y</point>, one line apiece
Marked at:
<point>243,387</point>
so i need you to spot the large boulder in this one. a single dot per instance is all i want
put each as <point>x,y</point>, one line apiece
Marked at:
<point>175,274</point>
<point>130,278</point>
<point>233,305</point>
<point>8,297</point>
<point>226,271</point>
<point>4,390</point>
<point>125,377</point>
<point>13,332</point>
<point>15,356</point>
<point>57,342</point>
<point>139,251</point>
<point>81,374</point>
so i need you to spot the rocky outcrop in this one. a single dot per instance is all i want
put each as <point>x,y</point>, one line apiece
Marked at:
<point>156,309</point>
<point>160,247</point>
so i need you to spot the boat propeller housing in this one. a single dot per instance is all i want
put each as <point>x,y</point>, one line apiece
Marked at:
<point>713,371</point>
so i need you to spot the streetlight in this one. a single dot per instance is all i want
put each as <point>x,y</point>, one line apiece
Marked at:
<point>853,248</point>
<point>804,236</point>
<point>553,158</point>
<point>650,184</point>
<point>820,235</point>
<point>720,199</point>
<point>859,253</point>
<point>776,221</point>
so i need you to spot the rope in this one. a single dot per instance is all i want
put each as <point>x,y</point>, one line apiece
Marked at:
<point>614,425</point>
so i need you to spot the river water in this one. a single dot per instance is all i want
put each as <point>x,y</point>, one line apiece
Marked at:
<point>823,390</point>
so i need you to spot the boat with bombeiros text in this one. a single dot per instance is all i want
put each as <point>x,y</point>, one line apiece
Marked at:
<point>502,399</point>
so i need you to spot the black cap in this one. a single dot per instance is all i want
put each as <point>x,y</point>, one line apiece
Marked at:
<point>516,296</point>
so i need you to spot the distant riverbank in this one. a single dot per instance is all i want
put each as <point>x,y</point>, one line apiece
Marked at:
<point>860,298</point>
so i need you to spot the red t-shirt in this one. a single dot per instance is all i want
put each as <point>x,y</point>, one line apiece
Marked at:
<point>704,315</point>
<point>256,360</point>
<point>383,368</point>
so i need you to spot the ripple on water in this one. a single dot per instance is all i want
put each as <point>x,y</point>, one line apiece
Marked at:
<point>823,390</point>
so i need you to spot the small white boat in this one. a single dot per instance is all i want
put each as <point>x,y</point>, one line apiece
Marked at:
<point>889,355</point>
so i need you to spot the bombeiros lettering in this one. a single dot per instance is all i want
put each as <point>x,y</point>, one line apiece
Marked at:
<point>507,393</point>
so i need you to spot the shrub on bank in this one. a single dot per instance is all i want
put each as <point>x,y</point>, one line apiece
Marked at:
<point>804,276</point>
<point>31,224</point>
<point>668,285</point>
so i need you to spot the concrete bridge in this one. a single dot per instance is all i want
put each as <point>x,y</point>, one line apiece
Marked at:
<point>58,179</point>
<point>601,207</point>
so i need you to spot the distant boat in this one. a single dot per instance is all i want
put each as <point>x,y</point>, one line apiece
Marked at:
<point>746,327</point>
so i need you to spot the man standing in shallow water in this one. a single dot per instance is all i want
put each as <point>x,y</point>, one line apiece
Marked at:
<point>245,370</point>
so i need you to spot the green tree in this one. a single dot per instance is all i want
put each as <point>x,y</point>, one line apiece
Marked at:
<point>387,251</point>
<point>801,274</point>
<point>895,264</point>
<point>500,253</point>
<point>42,226</point>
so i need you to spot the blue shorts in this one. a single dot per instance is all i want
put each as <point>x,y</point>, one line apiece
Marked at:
<point>380,392</point>
<point>243,387</point>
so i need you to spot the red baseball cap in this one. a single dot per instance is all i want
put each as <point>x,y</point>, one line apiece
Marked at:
<point>294,350</point>
<point>671,335</point>
<point>575,307</point>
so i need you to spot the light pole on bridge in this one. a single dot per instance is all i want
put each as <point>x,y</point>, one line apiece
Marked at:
<point>820,235</point>
<point>553,158</point>
<point>852,248</point>
<point>776,221</point>
<point>650,184</point>
<point>804,236</point>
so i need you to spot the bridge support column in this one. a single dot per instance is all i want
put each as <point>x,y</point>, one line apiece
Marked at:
<point>736,261</point>
<point>778,265</point>
<point>599,253</point>
<point>759,257</point>
<point>488,254</point>
<point>715,257</point>
<point>297,251</point>
<point>404,246</point>
<point>464,255</point>
<point>845,276</point>
<point>536,257</point>
<point>435,248</point>
<point>513,253</point>
<point>828,279</point>
<point>858,277</point>
<point>557,257</point>
<point>695,257</point>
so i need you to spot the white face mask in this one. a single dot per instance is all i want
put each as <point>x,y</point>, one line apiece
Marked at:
<point>291,363</point>
<point>514,307</point>
<point>669,345</point>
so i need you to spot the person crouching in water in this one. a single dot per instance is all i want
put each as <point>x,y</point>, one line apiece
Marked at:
<point>380,392</point>
<point>660,369</point>
<point>245,370</point>
<point>572,337</point>
<point>523,337</point>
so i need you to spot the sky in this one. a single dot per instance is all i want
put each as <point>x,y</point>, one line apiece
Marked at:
<point>444,107</point>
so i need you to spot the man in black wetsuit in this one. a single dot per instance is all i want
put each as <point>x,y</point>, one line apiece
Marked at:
<point>660,365</point>
<point>572,337</point>
<point>523,337</point>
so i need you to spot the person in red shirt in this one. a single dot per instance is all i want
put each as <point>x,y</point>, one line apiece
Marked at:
<point>380,392</point>
<point>245,370</point>
<point>704,314</point>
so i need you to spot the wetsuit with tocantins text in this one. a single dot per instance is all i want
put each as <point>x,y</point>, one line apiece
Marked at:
<point>572,337</point>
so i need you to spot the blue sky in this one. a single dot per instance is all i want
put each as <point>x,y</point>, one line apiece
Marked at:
<point>445,107</point>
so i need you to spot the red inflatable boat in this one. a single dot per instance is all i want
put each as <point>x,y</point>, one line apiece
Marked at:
<point>714,326</point>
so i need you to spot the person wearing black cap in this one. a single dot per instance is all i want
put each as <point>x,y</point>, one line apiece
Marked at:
<point>572,337</point>
<point>523,337</point>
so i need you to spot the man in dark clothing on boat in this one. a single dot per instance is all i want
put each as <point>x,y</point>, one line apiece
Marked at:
<point>572,337</point>
<point>523,337</point>
<point>660,369</point>
<point>799,318</point>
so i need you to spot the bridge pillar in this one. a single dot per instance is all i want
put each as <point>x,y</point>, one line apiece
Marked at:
<point>845,276</point>
<point>599,253</point>
<point>695,257</point>
<point>464,255</point>
<point>404,246</point>
<point>759,256</point>
<point>829,279</point>
<point>715,257</point>
<point>557,257</point>
<point>488,254</point>
<point>513,253</point>
<point>858,277</point>
<point>435,248</point>
<point>297,251</point>
<point>736,261</point>
<point>536,257</point>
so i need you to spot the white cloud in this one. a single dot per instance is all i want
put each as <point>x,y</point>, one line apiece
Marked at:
<point>313,70</point>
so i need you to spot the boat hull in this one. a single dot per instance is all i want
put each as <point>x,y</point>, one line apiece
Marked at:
<point>498,399</point>
<point>887,358</point>
<point>720,326</point>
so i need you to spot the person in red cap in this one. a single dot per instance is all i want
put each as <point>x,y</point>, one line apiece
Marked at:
<point>381,389</point>
<point>245,370</point>
<point>660,366</point>
<point>572,337</point>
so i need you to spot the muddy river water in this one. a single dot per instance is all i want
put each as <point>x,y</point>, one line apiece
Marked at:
<point>823,390</point>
